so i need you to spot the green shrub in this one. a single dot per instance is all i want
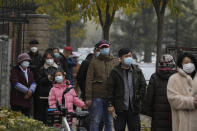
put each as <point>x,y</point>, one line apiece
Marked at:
<point>15,121</point>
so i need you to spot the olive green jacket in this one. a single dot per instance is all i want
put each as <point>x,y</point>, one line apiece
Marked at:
<point>98,72</point>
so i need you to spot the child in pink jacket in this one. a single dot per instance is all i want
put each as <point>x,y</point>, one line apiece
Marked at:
<point>57,91</point>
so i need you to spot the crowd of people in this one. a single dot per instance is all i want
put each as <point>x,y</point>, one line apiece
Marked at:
<point>113,89</point>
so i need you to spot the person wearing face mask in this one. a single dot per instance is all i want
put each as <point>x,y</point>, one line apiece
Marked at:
<point>96,91</point>
<point>22,85</point>
<point>155,103</point>
<point>58,56</point>
<point>82,73</point>
<point>36,58</point>
<point>56,94</point>
<point>81,78</point>
<point>70,62</point>
<point>46,81</point>
<point>126,88</point>
<point>182,94</point>
<point>35,65</point>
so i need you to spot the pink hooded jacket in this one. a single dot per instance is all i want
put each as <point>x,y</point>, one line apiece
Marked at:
<point>70,98</point>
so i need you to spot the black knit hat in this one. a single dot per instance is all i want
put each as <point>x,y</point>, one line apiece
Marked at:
<point>97,45</point>
<point>33,42</point>
<point>123,51</point>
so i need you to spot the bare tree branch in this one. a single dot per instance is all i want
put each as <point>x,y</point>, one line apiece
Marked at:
<point>107,15</point>
<point>100,15</point>
<point>164,5</point>
<point>112,16</point>
<point>156,6</point>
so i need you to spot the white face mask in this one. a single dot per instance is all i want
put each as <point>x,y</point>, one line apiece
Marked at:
<point>189,68</point>
<point>49,62</point>
<point>34,49</point>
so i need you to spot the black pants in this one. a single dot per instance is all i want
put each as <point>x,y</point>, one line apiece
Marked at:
<point>43,110</point>
<point>36,107</point>
<point>127,117</point>
<point>23,110</point>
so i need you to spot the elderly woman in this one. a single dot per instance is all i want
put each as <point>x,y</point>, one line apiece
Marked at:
<point>181,93</point>
<point>22,85</point>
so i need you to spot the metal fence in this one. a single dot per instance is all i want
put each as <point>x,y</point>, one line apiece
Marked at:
<point>5,57</point>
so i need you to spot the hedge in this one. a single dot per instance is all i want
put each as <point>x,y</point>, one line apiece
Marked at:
<point>15,121</point>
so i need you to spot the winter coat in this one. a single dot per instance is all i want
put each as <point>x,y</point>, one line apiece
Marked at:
<point>64,65</point>
<point>71,64</point>
<point>70,98</point>
<point>17,97</point>
<point>156,104</point>
<point>58,60</point>
<point>45,84</point>
<point>81,75</point>
<point>115,87</point>
<point>98,72</point>
<point>35,63</point>
<point>180,92</point>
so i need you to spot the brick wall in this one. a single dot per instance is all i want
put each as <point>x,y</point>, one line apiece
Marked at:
<point>37,28</point>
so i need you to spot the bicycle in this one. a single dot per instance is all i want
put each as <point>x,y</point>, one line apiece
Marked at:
<point>60,115</point>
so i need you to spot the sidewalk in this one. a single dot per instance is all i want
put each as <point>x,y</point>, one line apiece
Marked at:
<point>145,123</point>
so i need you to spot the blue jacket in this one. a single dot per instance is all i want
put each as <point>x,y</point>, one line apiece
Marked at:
<point>71,63</point>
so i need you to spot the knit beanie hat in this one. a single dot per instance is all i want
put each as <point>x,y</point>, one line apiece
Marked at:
<point>33,42</point>
<point>167,61</point>
<point>23,57</point>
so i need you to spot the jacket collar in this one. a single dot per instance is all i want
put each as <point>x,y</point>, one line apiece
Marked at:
<point>66,84</point>
<point>33,54</point>
<point>119,69</point>
<point>104,58</point>
<point>185,75</point>
<point>47,66</point>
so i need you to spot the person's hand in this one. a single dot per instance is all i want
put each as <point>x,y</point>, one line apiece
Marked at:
<point>85,107</point>
<point>88,102</point>
<point>195,100</point>
<point>111,110</point>
<point>28,95</point>
<point>50,77</point>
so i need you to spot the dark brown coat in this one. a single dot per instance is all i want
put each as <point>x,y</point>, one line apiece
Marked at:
<point>17,97</point>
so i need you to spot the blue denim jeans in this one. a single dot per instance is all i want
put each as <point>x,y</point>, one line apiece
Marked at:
<point>99,111</point>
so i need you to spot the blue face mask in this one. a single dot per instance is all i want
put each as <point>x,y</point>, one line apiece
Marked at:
<point>104,51</point>
<point>59,79</point>
<point>56,55</point>
<point>25,64</point>
<point>128,61</point>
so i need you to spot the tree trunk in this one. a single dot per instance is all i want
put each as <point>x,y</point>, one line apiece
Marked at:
<point>106,33</point>
<point>147,53</point>
<point>146,16</point>
<point>160,21</point>
<point>177,32</point>
<point>68,33</point>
